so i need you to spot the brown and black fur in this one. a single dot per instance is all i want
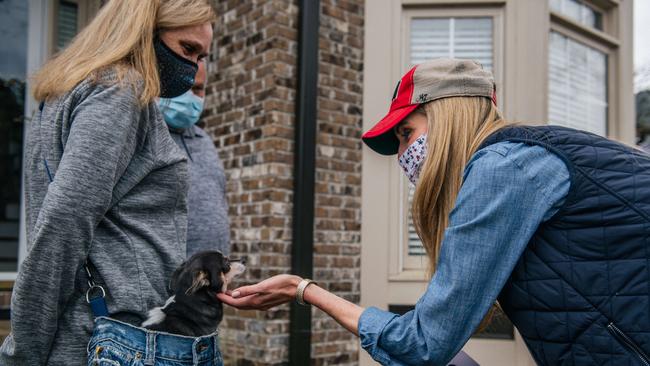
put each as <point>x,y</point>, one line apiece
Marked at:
<point>194,309</point>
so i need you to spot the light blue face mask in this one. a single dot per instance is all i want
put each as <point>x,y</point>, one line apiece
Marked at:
<point>182,111</point>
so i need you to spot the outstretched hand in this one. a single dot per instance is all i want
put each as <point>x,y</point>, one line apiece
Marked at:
<point>281,289</point>
<point>264,295</point>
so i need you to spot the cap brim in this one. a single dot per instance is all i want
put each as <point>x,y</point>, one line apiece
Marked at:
<point>380,137</point>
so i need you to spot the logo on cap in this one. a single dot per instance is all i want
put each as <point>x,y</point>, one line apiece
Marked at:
<point>396,90</point>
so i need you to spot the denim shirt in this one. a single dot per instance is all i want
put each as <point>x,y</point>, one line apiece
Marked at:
<point>508,190</point>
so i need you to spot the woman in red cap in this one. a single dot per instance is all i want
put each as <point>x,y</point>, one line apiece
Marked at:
<point>551,222</point>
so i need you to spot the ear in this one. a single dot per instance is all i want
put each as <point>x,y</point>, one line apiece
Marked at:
<point>216,280</point>
<point>199,281</point>
<point>175,278</point>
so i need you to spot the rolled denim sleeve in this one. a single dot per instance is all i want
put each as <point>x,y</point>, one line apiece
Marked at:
<point>509,189</point>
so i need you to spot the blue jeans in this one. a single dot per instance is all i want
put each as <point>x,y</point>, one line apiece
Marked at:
<point>114,343</point>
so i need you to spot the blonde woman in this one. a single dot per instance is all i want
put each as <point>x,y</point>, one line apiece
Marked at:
<point>106,185</point>
<point>551,221</point>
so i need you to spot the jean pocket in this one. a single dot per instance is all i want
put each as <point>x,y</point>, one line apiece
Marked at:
<point>110,353</point>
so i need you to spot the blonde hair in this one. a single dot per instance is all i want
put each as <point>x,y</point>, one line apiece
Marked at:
<point>120,36</point>
<point>457,128</point>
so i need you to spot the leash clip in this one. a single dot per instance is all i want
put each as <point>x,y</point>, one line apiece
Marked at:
<point>95,295</point>
<point>91,282</point>
<point>93,288</point>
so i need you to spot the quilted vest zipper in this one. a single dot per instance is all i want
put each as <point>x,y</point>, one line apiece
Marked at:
<point>626,341</point>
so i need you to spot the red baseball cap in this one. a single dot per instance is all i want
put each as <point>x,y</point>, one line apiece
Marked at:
<point>428,81</point>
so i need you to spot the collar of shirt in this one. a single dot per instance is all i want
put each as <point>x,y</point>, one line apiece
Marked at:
<point>186,132</point>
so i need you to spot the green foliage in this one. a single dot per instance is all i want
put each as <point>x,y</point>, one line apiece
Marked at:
<point>642,101</point>
<point>643,108</point>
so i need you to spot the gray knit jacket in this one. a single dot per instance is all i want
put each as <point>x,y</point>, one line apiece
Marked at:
<point>118,197</point>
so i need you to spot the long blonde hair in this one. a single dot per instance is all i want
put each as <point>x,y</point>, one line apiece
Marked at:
<point>120,36</point>
<point>457,128</point>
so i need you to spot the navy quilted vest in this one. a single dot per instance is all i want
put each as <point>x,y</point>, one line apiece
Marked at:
<point>580,293</point>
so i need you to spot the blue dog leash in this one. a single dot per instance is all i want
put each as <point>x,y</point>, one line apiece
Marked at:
<point>95,295</point>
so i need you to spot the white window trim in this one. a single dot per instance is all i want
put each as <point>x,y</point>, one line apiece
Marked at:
<point>41,42</point>
<point>585,3</point>
<point>38,49</point>
<point>403,267</point>
<point>602,42</point>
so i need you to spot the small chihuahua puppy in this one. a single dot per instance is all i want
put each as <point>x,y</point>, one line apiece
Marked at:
<point>194,309</point>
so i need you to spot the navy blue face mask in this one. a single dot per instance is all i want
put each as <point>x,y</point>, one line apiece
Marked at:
<point>176,73</point>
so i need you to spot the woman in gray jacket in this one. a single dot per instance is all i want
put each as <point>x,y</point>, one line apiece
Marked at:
<point>104,181</point>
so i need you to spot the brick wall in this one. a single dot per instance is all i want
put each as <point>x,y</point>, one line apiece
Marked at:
<point>250,114</point>
<point>337,244</point>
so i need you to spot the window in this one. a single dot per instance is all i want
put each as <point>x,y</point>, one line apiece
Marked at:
<point>414,247</point>
<point>67,23</point>
<point>468,38</point>
<point>70,17</point>
<point>581,48</point>
<point>61,20</point>
<point>13,63</point>
<point>578,11</point>
<point>577,85</point>
<point>468,34</point>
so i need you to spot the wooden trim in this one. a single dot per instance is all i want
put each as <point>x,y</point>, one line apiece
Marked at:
<point>6,285</point>
<point>591,33</point>
<point>611,124</point>
<point>605,4</point>
<point>404,267</point>
<point>452,3</point>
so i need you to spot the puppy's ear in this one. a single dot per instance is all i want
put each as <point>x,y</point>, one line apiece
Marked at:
<point>199,281</point>
<point>175,279</point>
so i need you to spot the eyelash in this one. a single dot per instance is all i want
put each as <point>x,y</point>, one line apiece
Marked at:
<point>188,49</point>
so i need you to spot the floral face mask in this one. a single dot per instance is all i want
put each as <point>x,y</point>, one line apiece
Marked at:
<point>412,159</point>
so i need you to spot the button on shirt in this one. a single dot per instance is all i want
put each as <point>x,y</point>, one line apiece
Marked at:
<point>508,190</point>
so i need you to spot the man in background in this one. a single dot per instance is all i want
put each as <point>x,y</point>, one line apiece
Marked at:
<point>207,209</point>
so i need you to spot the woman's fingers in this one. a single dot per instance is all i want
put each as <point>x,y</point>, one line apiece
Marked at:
<point>225,298</point>
<point>264,295</point>
<point>247,290</point>
<point>240,303</point>
<point>254,301</point>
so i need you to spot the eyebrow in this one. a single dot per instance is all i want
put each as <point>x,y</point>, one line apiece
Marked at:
<point>196,45</point>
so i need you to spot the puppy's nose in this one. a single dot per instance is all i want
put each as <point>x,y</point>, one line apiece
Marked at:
<point>244,260</point>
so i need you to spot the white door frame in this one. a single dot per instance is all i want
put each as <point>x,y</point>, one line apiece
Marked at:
<point>38,25</point>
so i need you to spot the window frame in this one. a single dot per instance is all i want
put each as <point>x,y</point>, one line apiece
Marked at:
<point>402,266</point>
<point>7,277</point>
<point>595,7</point>
<point>42,34</point>
<point>604,41</point>
<point>86,11</point>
